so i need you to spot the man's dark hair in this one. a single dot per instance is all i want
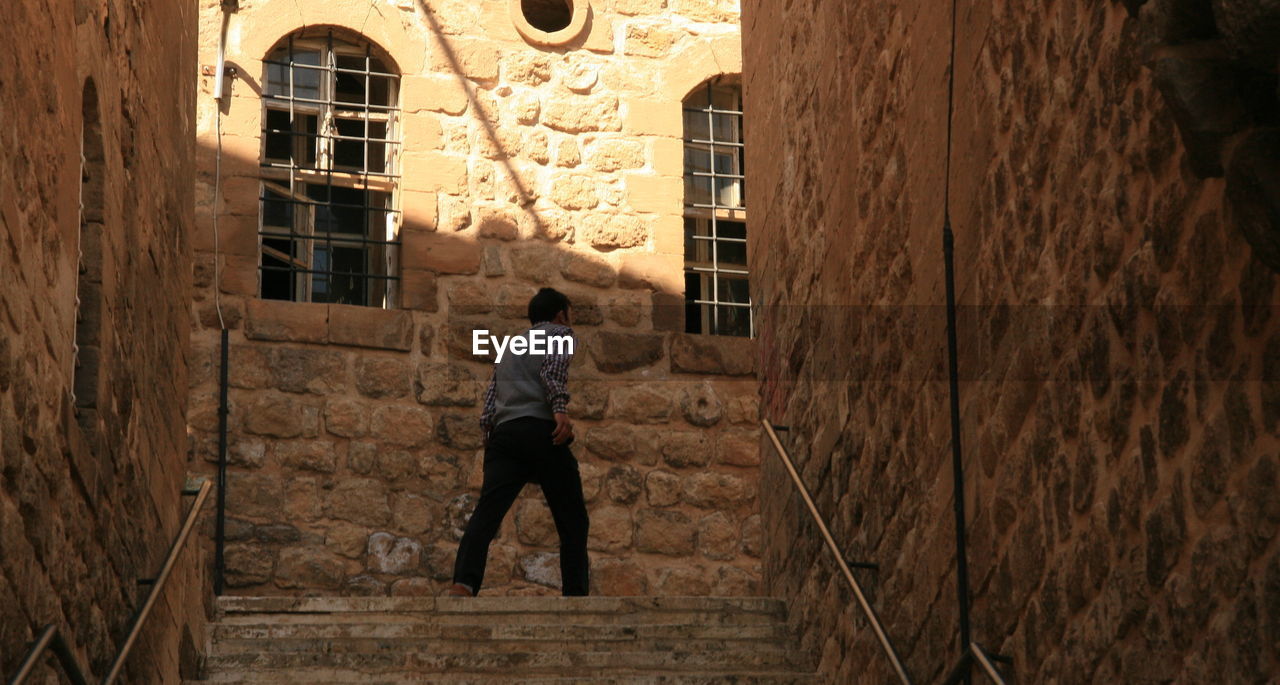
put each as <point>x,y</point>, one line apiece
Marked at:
<point>546,304</point>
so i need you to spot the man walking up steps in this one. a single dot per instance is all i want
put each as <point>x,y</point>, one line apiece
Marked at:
<point>527,436</point>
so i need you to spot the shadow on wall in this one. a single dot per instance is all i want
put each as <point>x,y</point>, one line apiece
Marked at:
<point>427,253</point>
<point>638,290</point>
<point>526,198</point>
<point>1217,73</point>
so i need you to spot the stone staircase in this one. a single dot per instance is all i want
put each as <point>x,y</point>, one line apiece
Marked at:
<point>536,640</point>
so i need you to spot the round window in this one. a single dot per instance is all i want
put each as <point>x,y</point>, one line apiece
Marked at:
<point>549,22</point>
<point>547,15</point>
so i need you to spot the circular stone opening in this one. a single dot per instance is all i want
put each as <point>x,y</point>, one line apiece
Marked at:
<point>548,15</point>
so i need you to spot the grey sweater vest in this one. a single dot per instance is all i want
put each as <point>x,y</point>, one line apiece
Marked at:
<point>519,387</point>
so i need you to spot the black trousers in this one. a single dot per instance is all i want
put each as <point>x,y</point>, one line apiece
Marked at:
<point>520,452</point>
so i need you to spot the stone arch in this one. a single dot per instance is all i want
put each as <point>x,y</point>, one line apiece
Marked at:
<point>87,343</point>
<point>702,61</point>
<point>257,30</point>
<point>342,34</point>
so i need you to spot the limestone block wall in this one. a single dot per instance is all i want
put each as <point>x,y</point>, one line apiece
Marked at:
<point>1118,346</point>
<point>355,446</point>
<point>90,484</point>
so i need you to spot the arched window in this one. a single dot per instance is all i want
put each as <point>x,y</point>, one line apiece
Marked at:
<point>88,329</point>
<point>329,225</point>
<point>717,298</point>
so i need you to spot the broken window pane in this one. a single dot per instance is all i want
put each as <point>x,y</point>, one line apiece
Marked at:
<point>329,106</point>
<point>349,153</point>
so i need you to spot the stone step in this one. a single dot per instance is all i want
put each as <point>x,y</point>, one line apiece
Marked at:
<point>356,646</point>
<point>230,605</point>
<point>707,618</point>
<point>330,677</point>
<point>531,640</point>
<point>533,663</point>
<point>496,631</point>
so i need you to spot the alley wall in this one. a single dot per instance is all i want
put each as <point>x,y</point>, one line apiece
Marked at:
<point>95,253</point>
<point>1118,346</point>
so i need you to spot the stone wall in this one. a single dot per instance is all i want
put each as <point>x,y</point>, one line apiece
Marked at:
<point>355,448</point>
<point>90,483</point>
<point>1118,346</point>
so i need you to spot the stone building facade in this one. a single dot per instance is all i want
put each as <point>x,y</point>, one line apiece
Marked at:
<point>1118,340</point>
<point>500,157</point>
<point>95,255</point>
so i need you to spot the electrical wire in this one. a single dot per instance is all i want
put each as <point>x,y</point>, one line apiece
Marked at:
<point>217,193</point>
<point>951,89</point>
<point>957,457</point>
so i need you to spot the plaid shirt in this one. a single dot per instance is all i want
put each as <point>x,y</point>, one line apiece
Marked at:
<point>555,379</point>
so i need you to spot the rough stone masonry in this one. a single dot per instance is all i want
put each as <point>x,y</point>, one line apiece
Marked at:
<point>1119,341</point>
<point>355,448</point>
<point>95,256</point>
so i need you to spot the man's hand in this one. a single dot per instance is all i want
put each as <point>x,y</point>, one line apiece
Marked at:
<point>564,429</point>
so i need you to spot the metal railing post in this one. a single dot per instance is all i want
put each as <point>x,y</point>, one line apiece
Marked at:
<point>52,638</point>
<point>867,609</point>
<point>219,536</point>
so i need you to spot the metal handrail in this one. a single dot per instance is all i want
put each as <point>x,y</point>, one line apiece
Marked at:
<point>974,653</point>
<point>52,635</point>
<point>157,587</point>
<point>51,638</point>
<point>870,613</point>
<point>984,660</point>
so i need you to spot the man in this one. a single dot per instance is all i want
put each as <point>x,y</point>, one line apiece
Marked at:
<point>527,435</point>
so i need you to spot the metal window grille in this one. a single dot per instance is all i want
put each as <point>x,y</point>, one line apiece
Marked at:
<point>329,226</point>
<point>717,298</point>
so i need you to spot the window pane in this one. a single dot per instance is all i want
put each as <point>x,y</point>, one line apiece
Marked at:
<point>690,245</point>
<point>323,215</point>
<point>697,159</point>
<point>733,321</point>
<point>320,280</point>
<point>377,160</point>
<point>731,254</point>
<point>344,279</point>
<point>349,259</point>
<point>726,162</point>
<point>277,210</point>
<point>696,125</point>
<point>277,75</point>
<point>381,90</point>
<point>380,223</point>
<point>277,283</point>
<point>728,192</point>
<point>306,140</point>
<point>727,128</point>
<point>349,153</point>
<point>291,140</point>
<point>347,209</point>
<point>731,229</point>
<point>354,62</point>
<point>697,190</point>
<point>692,312</point>
<point>279,135</point>
<point>307,82</point>
<point>349,87</point>
<point>725,97</point>
<point>733,289</point>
